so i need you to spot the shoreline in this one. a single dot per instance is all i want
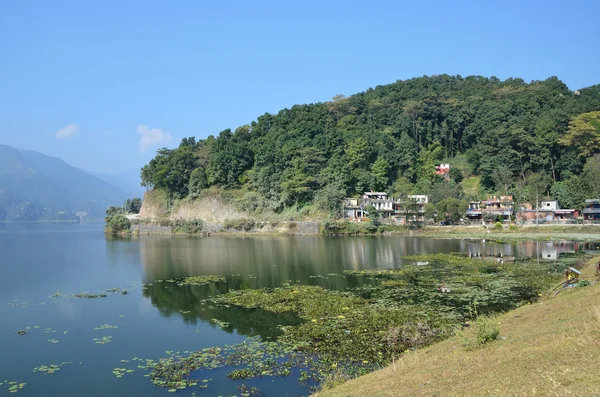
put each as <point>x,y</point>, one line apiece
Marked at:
<point>558,232</point>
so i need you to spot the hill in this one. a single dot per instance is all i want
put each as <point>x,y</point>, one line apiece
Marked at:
<point>128,181</point>
<point>34,186</point>
<point>549,348</point>
<point>524,139</point>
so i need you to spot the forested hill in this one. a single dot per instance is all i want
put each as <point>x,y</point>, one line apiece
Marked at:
<point>503,136</point>
<point>35,187</point>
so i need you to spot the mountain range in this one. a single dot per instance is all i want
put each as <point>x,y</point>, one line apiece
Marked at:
<point>34,187</point>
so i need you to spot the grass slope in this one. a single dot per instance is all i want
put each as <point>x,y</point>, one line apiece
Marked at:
<point>550,348</point>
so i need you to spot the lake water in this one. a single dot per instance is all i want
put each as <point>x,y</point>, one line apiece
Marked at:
<point>37,260</point>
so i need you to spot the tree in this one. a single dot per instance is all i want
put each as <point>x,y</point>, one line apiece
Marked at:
<point>133,206</point>
<point>456,175</point>
<point>198,182</point>
<point>380,170</point>
<point>452,208</point>
<point>329,200</point>
<point>584,133</point>
<point>503,178</point>
<point>430,211</point>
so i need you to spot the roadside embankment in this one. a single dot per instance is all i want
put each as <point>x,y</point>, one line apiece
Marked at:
<point>548,348</point>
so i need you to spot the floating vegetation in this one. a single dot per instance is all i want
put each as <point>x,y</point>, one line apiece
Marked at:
<point>54,341</point>
<point>50,369</point>
<point>18,303</point>
<point>220,324</point>
<point>344,327</point>
<point>199,280</point>
<point>256,358</point>
<point>103,340</point>
<point>106,326</point>
<point>22,332</point>
<point>13,386</point>
<point>88,295</point>
<point>248,391</point>
<point>49,330</point>
<point>119,372</point>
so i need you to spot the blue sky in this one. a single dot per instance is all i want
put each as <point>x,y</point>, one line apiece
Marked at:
<point>103,84</point>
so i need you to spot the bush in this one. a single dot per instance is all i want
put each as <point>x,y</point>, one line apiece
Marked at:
<point>187,227</point>
<point>498,226</point>
<point>239,224</point>
<point>512,226</point>
<point>486,330</point>
<point>117,224</point>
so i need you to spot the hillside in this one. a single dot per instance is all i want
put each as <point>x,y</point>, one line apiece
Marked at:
<point>500,137</point>
<point>549,348</point>
<point>34,186</point>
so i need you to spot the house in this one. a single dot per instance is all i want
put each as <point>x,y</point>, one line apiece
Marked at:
<point>591,212</point>
<point>381,202</point>
<point>356,208</point>
<point>443,170</point>
<point>353,209</point>
<point>547,211</point>
<point>494,207</point>
<point>412,209</point>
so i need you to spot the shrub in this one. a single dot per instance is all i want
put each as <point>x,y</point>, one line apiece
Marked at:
<point>117,224</point>
<point>239,224</point>
<point>498,226</point>
<point>512,226</point>
<point>486,330</point>
<point>187,227</point>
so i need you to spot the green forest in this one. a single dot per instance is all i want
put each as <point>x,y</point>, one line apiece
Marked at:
<point>531,140</point>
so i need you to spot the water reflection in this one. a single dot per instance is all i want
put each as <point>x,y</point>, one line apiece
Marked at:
<point>186,301</point>
<point>268,262</point>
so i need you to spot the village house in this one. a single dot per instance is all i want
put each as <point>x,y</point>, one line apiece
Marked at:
<point>494,207</point>
<point>591,212</point>
<point>548,211</point>
<point>356,208</point>
<point>443,170</point>
<point>412,209</point>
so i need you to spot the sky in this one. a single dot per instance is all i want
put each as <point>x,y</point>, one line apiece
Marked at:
<point>104,84</point>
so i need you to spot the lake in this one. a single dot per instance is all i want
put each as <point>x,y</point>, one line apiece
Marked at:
<point>43,265</point>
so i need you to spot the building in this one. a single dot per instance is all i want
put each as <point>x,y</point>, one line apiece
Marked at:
<point>443,170</point>
<point>412,209</point>
<point>356,208</point>
<point>353,209</point>
<point>492,208</point>
<point>591,212</point>
<point>381,202</point>
<point>548,211</point>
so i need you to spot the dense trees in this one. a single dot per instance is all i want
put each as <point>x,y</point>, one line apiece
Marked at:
<point>519,138</point>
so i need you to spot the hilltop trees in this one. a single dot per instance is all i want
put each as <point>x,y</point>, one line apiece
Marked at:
<point>509,133</point>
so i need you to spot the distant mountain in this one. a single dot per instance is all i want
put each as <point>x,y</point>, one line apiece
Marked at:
<point>128,181</point>
<point>34,186</point>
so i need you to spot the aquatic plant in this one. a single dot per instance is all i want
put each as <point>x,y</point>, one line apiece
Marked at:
<point>106,326</point>
<point>103,340</point>
<point>199,280</point>
<point>13,386</point>
<point>248,391</point>
<point>52,368</point>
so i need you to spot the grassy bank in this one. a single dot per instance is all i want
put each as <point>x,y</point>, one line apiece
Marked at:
<point>549,348</point>
<point>531,233</point>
